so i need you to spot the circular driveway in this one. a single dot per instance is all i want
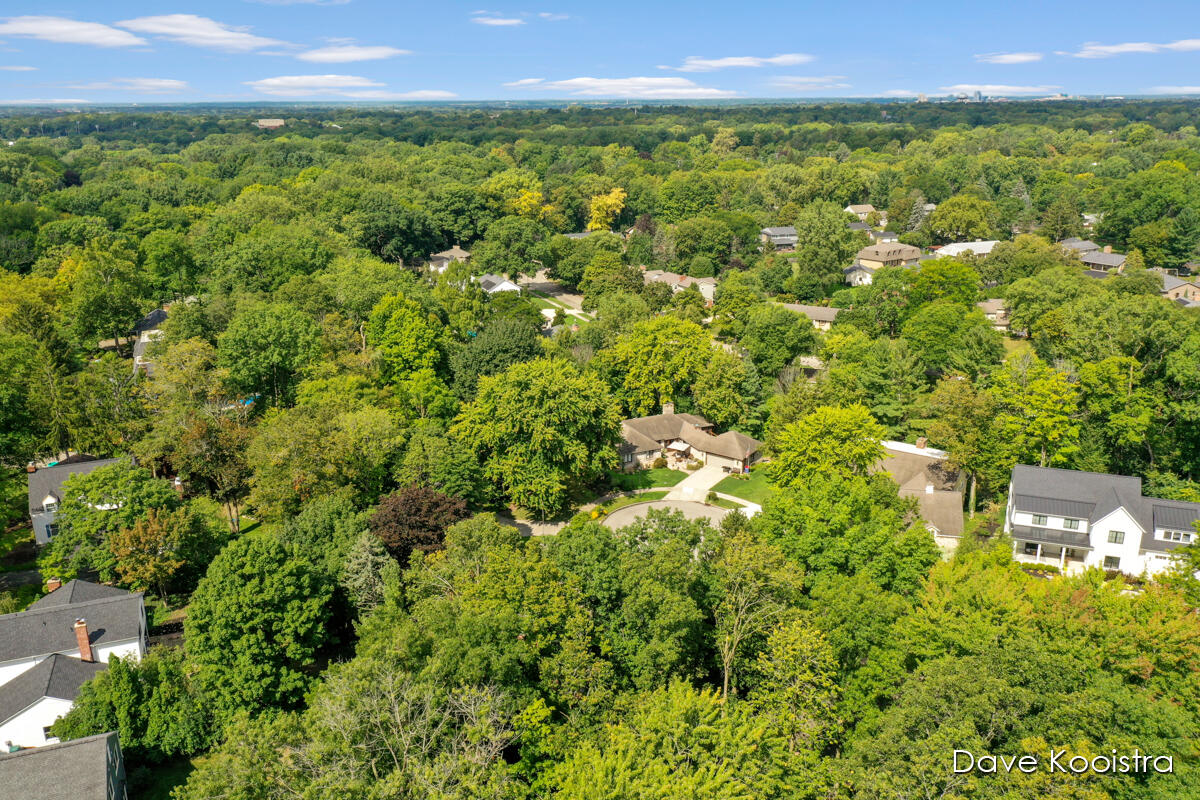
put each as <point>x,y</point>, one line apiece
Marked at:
<point>623,516</point>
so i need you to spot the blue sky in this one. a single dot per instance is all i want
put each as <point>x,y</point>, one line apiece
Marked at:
<point>368,50</point>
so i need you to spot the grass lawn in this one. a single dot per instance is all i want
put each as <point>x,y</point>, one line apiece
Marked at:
<point>753,487</point>
<point>1014,346</point>
<point>723,503</point>
<point>621,502</point>
<point>646,478</point>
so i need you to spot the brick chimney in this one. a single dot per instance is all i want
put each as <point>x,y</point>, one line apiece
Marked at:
<point>668,407</point>
<point>1108,248</point>
<point>921,442</point>
<point>53,584</point>
<point>85,643</point>
<point>31,467</point>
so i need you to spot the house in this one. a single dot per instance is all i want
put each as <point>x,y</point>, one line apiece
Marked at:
<point>147,329</point>
<point>683,436</point>
<point>439,261</point>
<point>921,472</point>
<point>861,211</point>
<point>578,236</point>
<point>493,284</point>
<point>858,275</point>
<point>1176,288</point>
<point>822,316</point>
<point>883,237</point>
<point>782,238</point>
<point>1073,520</point>
<point>996,312</point>
<point>858,226</point>
<point>678,283</point>
<point>31,702</point>
<point>1098,274</point>
<point>83,620</point>
<point>893,254</point>
<point>91,768</point>
<point>45,489</point>
<point>1080,246</point>
<point>269,124</point>
<point>1105,260</point>
<point>1092,220</point>
<point>978,248</point>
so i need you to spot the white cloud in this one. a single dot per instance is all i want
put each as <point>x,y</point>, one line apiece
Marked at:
<point>42,102</point>
<point>796,83</point>
<point>342,54</point>
<point>699,64</point>
<point>200,32</point>
<point>144,85</point>
<point>997,88</point>
<point>68,31</point>
<point>495,20</point>
<point>526,82</point>
<point>17,69</point>
<point>899,93</point>
<point>1008,58</point>
<point>645,88</point>
<point>551,17</point>
<point>351,86</point>
<point>1173,90</point>
<point>1096,50</point>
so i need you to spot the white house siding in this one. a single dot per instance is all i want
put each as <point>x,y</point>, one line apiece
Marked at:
<point>129,648</point>
<point>26,729</point>
<point>1129,551</point>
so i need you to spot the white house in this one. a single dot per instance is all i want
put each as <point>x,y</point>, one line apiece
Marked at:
<point>31,702</point>
<point>678,283</point>
<point>82,620</point>
<point>781,238</point>
<point>862,211</point>
<point>45,490</point>
<point>822,317</point>
<point>438,262</point>
<point>859,275</point>
<point>493,284</point>
<point>1074,520</point>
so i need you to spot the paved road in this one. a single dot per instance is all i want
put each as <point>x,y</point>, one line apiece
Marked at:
<point>543,284</point>
<point>623,516</point>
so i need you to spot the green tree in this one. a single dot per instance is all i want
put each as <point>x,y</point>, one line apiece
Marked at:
<point>828,441</point>
<point>107,296</point>
<point>1037,409</point>
<point>256,623</point>
<point>657,361</point>
<point>963,420</point>
<point>404,334</point>
<point>962,218</point>
<point>541,429</point>
<point>264,348</point>
<point>775,335</point>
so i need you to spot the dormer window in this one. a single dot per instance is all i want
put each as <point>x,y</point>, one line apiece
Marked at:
<point>50,503</point>
<point>1177,536</point>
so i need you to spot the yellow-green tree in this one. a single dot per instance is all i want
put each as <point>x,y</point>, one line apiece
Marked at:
<point>604,209</point>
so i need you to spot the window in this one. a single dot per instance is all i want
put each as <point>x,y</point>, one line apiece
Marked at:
<point>1031,548</point>
<point>1116,537</point>
<point>1177,536</point>
<point>1039,519</point>
<point>51,530</point>
<point>1071,524</point>
<point>1112,562</point>
<point>50,507</point>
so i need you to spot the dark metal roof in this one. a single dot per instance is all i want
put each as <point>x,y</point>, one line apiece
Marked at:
<point>1180,517</point>
<point>49,628</point>
<point>1079,541</point>
<point>49,480</point>
<point>1059,508</point>
<point>76,770</point>
<point>58,676</point>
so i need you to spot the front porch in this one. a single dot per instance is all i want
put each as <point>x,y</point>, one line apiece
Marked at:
<point>1067,559</point>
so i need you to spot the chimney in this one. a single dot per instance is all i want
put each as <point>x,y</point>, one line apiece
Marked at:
<point>85,643</point>
<point>53,584</point>
<point>668,407</point>
<point>921,442</point>
<point>1108,248</point>
<point>31,467</point>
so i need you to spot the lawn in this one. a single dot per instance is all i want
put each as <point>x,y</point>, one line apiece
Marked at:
<point>645,479</point>
<point>621,502</point>
<point>753,487</point>
<point>721,502</point>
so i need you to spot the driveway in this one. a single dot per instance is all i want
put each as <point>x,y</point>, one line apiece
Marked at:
<point>624,516</point>
<point>695,487</point>
<point>556,291</point>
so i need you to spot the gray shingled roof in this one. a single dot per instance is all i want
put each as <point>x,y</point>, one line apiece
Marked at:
<point>48,627</point>
<point>1103,260</point>
<point>75,770</point>
<point>814,313</point>
<point>1080,245</point>
<point>57,676</point>
<point>782,230</point>
<point>77,591</point>
<point>49,480</point>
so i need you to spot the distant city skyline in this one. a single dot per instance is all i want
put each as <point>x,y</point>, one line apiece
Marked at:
<point>367,50</point>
